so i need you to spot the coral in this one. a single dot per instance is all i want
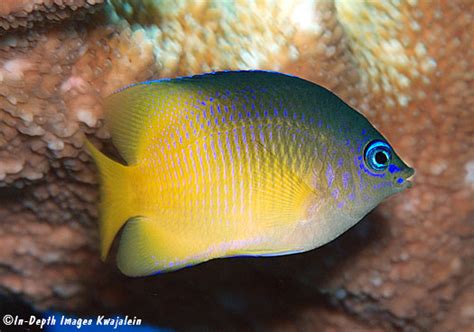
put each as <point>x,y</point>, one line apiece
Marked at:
<point>408,66</point>
<point>16,14</point>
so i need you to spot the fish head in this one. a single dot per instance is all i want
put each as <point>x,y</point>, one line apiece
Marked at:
<point>361,170</point>
<point>378,172</point>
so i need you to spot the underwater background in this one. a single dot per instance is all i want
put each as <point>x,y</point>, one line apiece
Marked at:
<point>408,66</point>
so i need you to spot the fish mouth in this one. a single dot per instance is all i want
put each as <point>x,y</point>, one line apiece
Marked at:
<point>408,175</point>
<point>403,180</point>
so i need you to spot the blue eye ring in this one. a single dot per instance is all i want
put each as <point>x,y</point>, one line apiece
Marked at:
<point>377,155</point>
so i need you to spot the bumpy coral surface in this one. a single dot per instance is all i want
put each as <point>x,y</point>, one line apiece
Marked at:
<point>408,66</point>
<point>16,14</point>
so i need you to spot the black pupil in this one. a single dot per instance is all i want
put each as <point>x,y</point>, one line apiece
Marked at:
<point>381,158</point>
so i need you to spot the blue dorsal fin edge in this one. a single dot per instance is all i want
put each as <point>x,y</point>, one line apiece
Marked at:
<point>203,75</point>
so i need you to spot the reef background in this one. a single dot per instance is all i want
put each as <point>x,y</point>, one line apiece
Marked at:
<point>408,66</point>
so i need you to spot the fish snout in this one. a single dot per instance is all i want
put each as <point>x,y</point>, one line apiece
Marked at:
<point>404,180</point>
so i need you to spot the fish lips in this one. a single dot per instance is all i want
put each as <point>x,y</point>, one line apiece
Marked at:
<point>406,176</point>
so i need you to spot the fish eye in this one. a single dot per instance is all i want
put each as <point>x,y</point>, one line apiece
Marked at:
<point>377,155</point>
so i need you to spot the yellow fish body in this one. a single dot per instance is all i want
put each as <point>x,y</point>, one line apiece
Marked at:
<point>236,163</point>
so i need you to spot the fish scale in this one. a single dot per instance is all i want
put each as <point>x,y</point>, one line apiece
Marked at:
<point>234,163</point>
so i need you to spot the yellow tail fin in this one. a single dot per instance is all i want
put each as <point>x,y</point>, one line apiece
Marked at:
<point>115,206</point>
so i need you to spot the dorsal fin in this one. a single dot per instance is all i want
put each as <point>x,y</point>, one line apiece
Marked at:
<point>130,110</point>
<point>154,105</point>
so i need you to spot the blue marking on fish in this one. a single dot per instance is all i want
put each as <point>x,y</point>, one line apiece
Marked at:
<point>345,179</point>
<point>382,185</point>
<point>330,175</point>
<point>393,168</point>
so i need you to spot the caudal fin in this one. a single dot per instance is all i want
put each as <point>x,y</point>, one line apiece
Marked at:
<point>115,192</point>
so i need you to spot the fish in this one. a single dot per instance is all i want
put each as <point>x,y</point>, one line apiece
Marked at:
<point>235,163</point>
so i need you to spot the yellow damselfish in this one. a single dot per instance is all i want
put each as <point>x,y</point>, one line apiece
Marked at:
<point>236,163</point>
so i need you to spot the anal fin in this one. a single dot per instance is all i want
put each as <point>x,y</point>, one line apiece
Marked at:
<point>147,248</point>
